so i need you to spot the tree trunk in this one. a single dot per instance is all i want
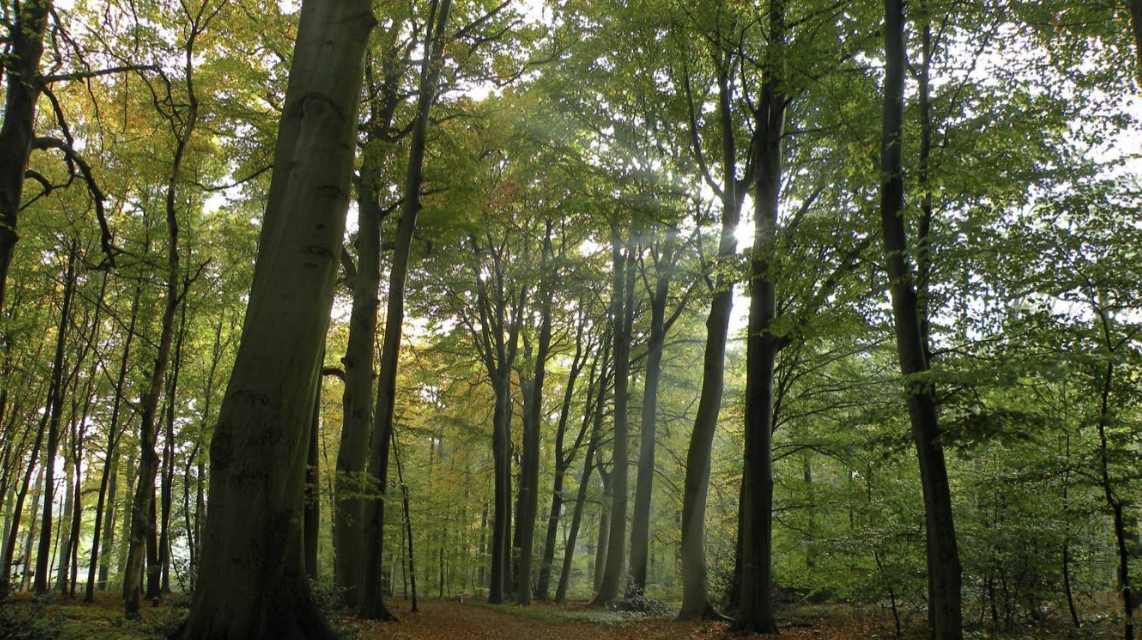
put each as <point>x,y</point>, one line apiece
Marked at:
<point>25,46</point>
<point>943,554</point>
<point>311,514</point>
<point>562,462</point>
<point>109,480</point>
<point>251,582</point>
<point>584,481</point>
<point>533,411</point>
<point>168,452</point>
<point>407,522</point>
<point>602,545</point>
<point>755,512</point>
<point>55,410</point>
<point>623,306</point>
<point>695,591</point>
<point>357,399</point>
<point>640,519</point>
<point>372,604</point>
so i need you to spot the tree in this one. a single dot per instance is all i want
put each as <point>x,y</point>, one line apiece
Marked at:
<point>943,553</point>
<point>252,580</point>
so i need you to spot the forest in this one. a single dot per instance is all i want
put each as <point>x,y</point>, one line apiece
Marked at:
<point>433,319</point>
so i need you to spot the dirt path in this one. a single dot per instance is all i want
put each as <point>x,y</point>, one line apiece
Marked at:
<point>449,620</point>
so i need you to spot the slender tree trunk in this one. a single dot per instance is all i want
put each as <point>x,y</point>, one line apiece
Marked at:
<point>168,451</point>
<point>251,582</point>
<point>562,462</point>
<point>36,495</point>
<point>407,522</point>
<point>357,399</point>
<point>372,604</point>
<point>623,306</point>
<point>640,519</point>
<point>533,411</point>
<point>602,546</point>
<point>108,482</point>
<point>55,410</point>
<point>943,553</point>
<point>26,47</point>
<point>755,607</point>
<point>695,589</point>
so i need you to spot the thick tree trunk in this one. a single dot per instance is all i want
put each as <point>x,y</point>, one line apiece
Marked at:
<point>644,487</point>
<point>943,553</point>
<point>26,47</point>
<point>755,513</point>
<point>372,603</point>
<point>252,583</point>
<point>55,409</point>
<point>623,318</point>
<point>311,514</point>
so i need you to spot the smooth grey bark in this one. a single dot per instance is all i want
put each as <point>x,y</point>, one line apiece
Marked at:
<point>372,603</point>
<point>695,591</point>
<point>54,410</point>
<point>252,583</point>
<point>943,553</point>
<point>602,543</point>
<point>167,492</point>
<point>26,46</point>
<point>644,484</point>
<point>623,319</point>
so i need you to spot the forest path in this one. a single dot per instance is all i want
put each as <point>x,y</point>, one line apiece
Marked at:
<point>452,620</point>
<point>474,620</point>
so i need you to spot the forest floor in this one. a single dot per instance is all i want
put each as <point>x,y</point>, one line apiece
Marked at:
<point>26,619</point>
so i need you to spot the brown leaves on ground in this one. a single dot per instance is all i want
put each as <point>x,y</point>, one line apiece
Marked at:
<point>452,620</point>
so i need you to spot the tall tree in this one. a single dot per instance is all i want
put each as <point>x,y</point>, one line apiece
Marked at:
<point>252,581</point>
<point>911,345</point>
<point>372,604</point>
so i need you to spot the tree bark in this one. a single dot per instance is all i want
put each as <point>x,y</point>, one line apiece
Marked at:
<point>55,409</point>
<point>644,487</point>
<point>529,470</point>
<point>695,591</point>
<point>26,47</point>
<point>251,582</point>
<point>311,513</point>
<point>755,606</point>
<point>943,553</point>
<point>562,462</point>
<point>372,604</point>
<point>357,399</point>
<point>623,306</point>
